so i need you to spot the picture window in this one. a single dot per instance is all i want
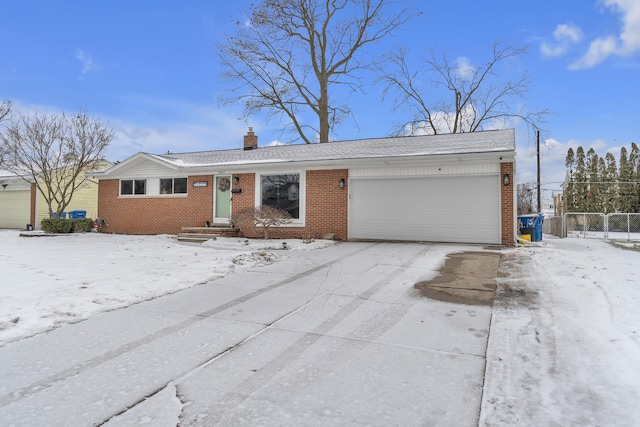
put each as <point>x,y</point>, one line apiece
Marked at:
<point>282,192</point>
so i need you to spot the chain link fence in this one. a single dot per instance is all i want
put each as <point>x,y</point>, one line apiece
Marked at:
<point>587,225</point>
<point>615,226</point>
<point>623,226</point>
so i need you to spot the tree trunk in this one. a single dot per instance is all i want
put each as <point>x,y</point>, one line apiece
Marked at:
<point>323,113</point>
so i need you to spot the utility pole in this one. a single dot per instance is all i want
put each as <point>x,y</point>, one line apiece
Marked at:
<point>539,202</point>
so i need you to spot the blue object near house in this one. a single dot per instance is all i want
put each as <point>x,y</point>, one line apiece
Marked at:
<point>63,216</point>
<point>531,224</point>
<point>78,214</point>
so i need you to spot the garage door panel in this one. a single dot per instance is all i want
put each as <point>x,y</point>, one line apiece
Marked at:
<point>15,208</point>
<point>451,209</point>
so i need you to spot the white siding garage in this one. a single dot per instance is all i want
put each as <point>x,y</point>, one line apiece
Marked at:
<point>463,209</point>
<point>15,208</point>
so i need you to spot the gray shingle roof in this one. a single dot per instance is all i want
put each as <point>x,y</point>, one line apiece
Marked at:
<point>460,143</point>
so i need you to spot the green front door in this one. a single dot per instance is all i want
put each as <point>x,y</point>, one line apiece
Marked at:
<point>222,199</point>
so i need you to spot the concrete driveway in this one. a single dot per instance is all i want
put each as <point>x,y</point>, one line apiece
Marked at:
<point>337,336</point>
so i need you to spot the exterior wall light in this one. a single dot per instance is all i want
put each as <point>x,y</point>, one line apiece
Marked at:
<point>236,180</point>
<point>505,179</point>
<point>341,183</point>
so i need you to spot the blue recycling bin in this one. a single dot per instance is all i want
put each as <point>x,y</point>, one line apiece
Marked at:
<point>532,222</point>
<point>78,214</point>
<point>63,216</point>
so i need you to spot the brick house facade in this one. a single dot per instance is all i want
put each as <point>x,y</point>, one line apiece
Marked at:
<point>323,174</point>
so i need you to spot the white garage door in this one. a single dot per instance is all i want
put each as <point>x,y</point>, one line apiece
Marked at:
<point>437,209</point>
<point>15,208</point>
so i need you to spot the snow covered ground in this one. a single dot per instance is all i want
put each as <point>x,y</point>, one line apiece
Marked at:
<point>563,347</point>
<point>48,281</point>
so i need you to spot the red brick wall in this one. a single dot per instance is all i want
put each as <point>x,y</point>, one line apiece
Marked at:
<point>327,203</point>
<point>245,199</point>
<point>155,215</point>
<point>507,195</point>
<point>326,207</point>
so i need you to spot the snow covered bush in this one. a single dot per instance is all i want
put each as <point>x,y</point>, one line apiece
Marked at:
<point>247,220</point>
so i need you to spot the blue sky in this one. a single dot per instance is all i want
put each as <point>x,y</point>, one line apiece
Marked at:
<point>150,69</point>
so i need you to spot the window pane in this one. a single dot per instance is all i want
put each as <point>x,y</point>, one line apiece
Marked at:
<point>140,185</point>
<point>282,192</point>
<point>180,185</point>
<point>126,187</point>
<point>166,186</point>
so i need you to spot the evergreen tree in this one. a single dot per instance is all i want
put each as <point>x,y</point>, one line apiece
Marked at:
<point>592,182</point>
<point>624,178</point>
<point>602,197</point>
<point>634,189</point>
<point>612,199</point>
<point>581,181</point>
<point>570,185</point>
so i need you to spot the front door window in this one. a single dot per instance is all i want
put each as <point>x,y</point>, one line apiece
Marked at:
<point>222,209</point>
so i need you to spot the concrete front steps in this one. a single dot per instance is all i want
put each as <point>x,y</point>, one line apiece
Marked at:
<point>202,234</point>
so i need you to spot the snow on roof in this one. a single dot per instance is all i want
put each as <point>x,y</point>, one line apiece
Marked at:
<point>423,145</point>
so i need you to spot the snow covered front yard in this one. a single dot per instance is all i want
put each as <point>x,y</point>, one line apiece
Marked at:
<point>563,345</point>
<point>47,281</point>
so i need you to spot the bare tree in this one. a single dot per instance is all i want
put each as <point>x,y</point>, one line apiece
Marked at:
<point>53,151</point>
<point>5,110</point>
<point>289,56</point>
<point>525,198</point>
<point>476,98</point>
<point>263,216</point>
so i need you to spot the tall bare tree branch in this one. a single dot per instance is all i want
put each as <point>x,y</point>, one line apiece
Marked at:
<point>477,97</point>
<point>290,54</point>
<point>53,151</point>
<point>5,111</point>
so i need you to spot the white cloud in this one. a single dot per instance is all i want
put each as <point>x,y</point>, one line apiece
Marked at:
<point>464,70</point>
<point>203,128</point>
<point>565,36</point>
<point>599,50</point>
<point>551,143</point>
<point>88,64</point>
<point>624,44</point>
<point>444,122</point>
<point>630,35</point>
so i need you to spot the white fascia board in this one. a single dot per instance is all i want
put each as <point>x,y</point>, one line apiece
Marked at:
<point>131,162</point>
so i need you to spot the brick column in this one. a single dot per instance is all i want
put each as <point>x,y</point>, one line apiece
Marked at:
<point>507,198</point>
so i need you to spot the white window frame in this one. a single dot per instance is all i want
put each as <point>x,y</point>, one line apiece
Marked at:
<point>302,193</point>
<point>133,189</point>
<point>173,186</point>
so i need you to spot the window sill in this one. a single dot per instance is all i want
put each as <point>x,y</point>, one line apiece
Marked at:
<point>155,196</point>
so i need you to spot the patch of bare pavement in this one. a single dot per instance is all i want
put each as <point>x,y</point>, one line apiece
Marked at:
<point>465,278</point>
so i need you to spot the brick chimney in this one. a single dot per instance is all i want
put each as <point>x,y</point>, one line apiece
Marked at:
<point>250,140</point>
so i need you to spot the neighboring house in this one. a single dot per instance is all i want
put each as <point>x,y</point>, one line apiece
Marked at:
<point>21,203</point>
<point>441,188</point>
<point>17,201</point>
<point>84,198</point>
<point>558,203</point>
